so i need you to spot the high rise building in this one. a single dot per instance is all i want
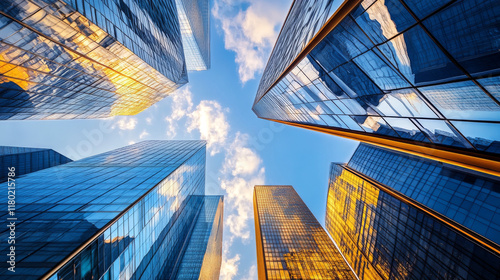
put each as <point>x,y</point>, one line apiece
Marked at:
<point>95,59</point>
<point>194,19</point>
<point>27,160</point>
<point>398,216</point>
<point>131,213</point>
<point>409,75</point>
<point>291,244</point>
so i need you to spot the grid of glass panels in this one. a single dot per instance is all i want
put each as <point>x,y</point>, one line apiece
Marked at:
<point>384,238</point>
<point>295,245</point>
<point>304,19</point>
<point>194,20</point>
<point>467,197</point>
<point>27,160</point>
<point>203,255</point>
<point>404,69</point>
<point>139,193</point>
<point>97,61</point>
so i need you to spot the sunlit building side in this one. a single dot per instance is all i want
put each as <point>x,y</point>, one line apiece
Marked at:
<point>291,244</point>
<point>413,76</point>
<point>397,216</point>
<point>95,59</point>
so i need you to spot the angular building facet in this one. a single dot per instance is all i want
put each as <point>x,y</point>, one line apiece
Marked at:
<point>27,160</point>
<point>414,76</point>
<point>291,244</point>
<point>398,216</point>
<point>194,19</point>
<point>131,213</point>
<point>92,59</point>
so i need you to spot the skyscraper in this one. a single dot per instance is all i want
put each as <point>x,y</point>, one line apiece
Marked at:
<point>129,213</point>
<point>194,19</point>
<point>409,75</point>
<point>27,160</point>
<point>291,244</point>
<point>398,216</point>
<point>95,59</point>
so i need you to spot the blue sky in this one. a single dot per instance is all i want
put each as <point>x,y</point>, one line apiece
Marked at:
<point>216,106</point>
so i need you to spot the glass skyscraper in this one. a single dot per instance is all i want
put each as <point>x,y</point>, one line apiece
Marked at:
<point>94,59</point>
<point>291,244</point>
<point>131,213</point>
<point>27,160</point>
<point>398,216</point>
<point>410,75</point>
<point>194,19</point>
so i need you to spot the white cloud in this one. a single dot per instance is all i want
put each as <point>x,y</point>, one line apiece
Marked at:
<point>250,33</point>
<point>241,160</point>
<point>229,267</point>
<point>131,142</point>
<point>149,120</point>
<point>125,123</point>
<point>144,134</point>
<point>209,118</point>
<point>182,104</point>
<point>241,172</point>
<point>252,273</point>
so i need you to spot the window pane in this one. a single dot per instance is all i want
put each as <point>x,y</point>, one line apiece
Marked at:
<point>383,75</point>
<point>469,31</point>
<point>402,103</point>
<point>484,136</point>
<point>441,133</point>
<point>423,8</point>
<point>341,44</point>
<point>352,80</point>
<point>384,20</point>
<point>462,100</point>
<point>492,85</point>
<point>419,59</point>
<point>406,129</point>
<point>375,125</point>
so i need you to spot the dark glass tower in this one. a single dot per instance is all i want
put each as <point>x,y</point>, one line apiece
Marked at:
<point>27,160</point>
<point>127,213</point>
<point>410,75</point>
<point>291,244</point>
<point>91,59</point>
<point>397,216</point>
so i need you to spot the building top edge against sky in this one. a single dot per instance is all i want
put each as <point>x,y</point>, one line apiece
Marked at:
<point>406,75</point>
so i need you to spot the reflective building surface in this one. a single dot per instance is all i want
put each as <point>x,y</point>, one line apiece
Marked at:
<point>203,255</point>
<point>291,244</point>
<point>396,216</point>
<point>124,214</point>
<point>92,59</point>
<point>414,75</point>
<point>194,19</point>
<point>27,160</point>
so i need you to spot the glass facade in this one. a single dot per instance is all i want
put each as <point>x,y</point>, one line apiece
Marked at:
<point>27,160</point>
<point>194,19</point>
<point>291,244</point>
<point>304,19</point>
<point>87,59</point>
<point>385,237</point>
<point>420,72</point>
<point>467,197</point>
<point>203,255</point>
<point>126,213</point>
